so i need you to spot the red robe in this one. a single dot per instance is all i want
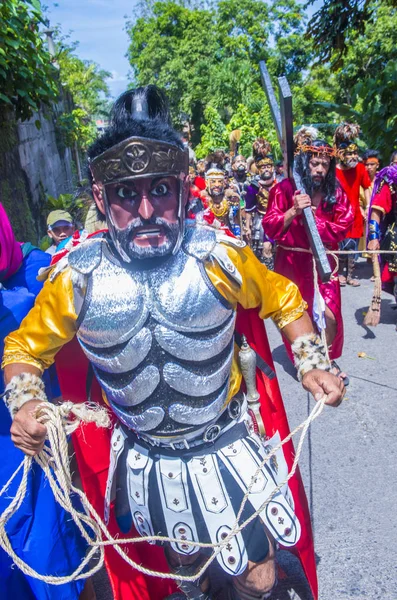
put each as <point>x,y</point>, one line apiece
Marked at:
<point>351,180</point>
<point>385,201</point>
<point>298,266</point>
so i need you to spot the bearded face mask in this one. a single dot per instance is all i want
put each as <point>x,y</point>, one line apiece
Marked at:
<point>348,156</point>
<point>144,191</point>
<point>142,217</point>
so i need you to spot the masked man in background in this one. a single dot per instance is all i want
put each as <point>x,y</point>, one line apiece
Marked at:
<point>256,201</point>
<point>382,227</point>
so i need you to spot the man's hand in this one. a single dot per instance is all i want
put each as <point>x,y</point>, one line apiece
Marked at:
<point>26,432</point>
<point>319,382</point>
<point>373,245</point>
<point>301,201</point>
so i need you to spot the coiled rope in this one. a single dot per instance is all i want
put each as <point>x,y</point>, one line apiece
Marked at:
<point>60,421</point>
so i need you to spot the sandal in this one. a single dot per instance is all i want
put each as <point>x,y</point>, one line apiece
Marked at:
<point>334,365</point>
<point>353,282</point>
<point>342,280</point>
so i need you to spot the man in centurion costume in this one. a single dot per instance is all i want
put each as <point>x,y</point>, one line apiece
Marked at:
<point>222,205</point>
<point>256,201</point>
<point>240,178</point>
<point>315,163</point>
<point>153,303</point>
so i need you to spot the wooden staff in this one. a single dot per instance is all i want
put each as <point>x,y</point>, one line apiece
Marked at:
<point>372,317</point>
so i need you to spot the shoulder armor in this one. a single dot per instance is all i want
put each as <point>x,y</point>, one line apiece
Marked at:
<point>219,253</point>
<point>58,268</point>
<point>227,239</point>
<point>199,241</point>
<point>86,256</point>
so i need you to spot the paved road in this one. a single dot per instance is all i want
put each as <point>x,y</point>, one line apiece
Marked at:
<point>349,464</point>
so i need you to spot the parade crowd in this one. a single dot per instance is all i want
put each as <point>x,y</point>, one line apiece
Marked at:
<point>352,197</point>
<point>155,309</point>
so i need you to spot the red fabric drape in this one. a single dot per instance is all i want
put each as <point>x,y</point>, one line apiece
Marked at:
<point>275,419</point>
<point>92,447</point>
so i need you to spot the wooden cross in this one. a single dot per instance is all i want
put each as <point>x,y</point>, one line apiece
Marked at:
<point>284,123</point>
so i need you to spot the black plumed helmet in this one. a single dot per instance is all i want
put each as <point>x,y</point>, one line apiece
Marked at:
<point>143,103</point>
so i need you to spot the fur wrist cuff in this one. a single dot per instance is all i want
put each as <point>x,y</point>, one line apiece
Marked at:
<point>309,353</point>
<point>21,389</point>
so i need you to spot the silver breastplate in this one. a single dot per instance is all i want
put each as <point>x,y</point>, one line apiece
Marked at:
<point>160,340</point>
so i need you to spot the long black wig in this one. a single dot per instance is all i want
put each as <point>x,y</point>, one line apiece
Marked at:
<point>301,165</point>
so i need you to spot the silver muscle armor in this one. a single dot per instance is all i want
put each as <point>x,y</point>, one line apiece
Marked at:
<point>160,339</point>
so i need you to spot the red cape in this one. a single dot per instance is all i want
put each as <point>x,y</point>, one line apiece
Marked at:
<point>275,419</point>
<point>92,447</point>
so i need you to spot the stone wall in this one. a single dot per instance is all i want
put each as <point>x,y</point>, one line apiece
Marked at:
<point>33,163</point>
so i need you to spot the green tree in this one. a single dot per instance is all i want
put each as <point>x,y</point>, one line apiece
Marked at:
<point>27,75</point>
<point>213,133</point>
<point>208,57</point>
<point>331,27</point>
<point>86,83</point>
<point>364,81</point>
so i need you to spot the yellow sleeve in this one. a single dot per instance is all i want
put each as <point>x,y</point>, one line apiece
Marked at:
<point>274,295</point>
<point>46,328</point>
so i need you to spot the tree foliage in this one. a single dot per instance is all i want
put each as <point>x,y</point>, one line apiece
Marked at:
<point>206,58</point>
<point>206,55</point>
<point>366,81</point>
<point>86,83</point>
<point>27,75</point>
<point>332,25</point>
<point>30,76</point>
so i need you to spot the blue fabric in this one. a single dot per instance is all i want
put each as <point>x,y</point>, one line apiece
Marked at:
<point>26,275</point>
<point>41,533</point>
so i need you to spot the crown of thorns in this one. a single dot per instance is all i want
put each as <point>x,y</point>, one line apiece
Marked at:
<point>328,150</point>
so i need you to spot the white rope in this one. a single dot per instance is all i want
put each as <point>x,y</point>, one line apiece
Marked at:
<point>54,461</point>
<point>332,252</point>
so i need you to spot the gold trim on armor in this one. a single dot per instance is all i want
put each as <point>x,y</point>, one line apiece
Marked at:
<point>264,161</point>
<point>378,208</point>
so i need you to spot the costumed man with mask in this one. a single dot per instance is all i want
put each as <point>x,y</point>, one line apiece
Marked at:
<point>352,175</point>
<point>315,163</point>
<point>382,227</point>
<point>371,163</point>
<point>153,305</point>
<point>240,182</point>
<point>256,202</point>
<point>240,174</point>
<point>221,205</point>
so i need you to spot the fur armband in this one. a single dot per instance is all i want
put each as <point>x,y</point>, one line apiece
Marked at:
<point>309,353</point>
<point>21,389</point>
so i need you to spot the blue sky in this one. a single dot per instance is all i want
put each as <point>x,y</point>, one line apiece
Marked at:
<point>98,26</point>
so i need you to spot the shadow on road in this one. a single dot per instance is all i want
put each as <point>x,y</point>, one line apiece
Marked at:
<point>388,316</point>
<point>280,356</point>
